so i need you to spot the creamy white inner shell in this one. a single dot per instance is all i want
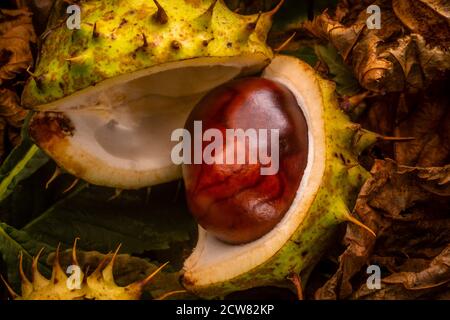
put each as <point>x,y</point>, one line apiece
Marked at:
<point>130,126</point>
<point>126,122</point>
<point>214,261</point>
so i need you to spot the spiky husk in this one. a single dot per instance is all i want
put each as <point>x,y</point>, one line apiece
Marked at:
<point>340,184</point>
<point>120,37</point>
<point>99,285</point>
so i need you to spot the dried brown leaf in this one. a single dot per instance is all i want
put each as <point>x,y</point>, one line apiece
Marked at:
<point>437,274</point>
<point>359,243</point>
<point>347,10</point>
<point>399,292</point>
<point>341,37</point>
<point>428,280</point>
<point>409,51</point>
<point>10,108</point>
<point>429,124</point>
<point>441,174</point>
<point>16,34</point>
<point>429,18</point>
<point>379,116</point>
<point>408,208</point>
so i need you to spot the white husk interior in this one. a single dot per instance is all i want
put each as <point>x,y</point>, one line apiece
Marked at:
<point>136,133</point>
<point>123,126</point>
<point>214,261</point>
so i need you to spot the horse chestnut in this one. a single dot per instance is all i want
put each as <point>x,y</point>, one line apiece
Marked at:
<point>235,200</point>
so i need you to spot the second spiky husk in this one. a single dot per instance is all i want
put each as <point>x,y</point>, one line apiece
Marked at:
<point>98,285</point>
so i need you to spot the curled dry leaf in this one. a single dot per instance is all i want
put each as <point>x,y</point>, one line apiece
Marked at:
<point>440,175</point>
<point>436,274</point>
<point>424,116</point>
<point>12,116</point>
<point>359,242</point>
<point>429,124</point>
<point>408,209</point>
<point>380,116</point>
<point>430,18</point>
<point>348,10</point>
<point>407,52</point>
<point>431,280</point>
<point>16,34</point>
<point>10,108</point>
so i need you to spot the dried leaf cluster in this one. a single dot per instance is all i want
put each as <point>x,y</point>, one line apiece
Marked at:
<point>16,38</point>
<point>404,69</point>
<point>410,51</point>
<point>407,207</point>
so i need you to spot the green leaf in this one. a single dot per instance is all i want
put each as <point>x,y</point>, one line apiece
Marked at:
<point>138,221</point>
<point>12,243</point>
<point>23,161</point>
<point>29,199</point>
<point>346,83</point>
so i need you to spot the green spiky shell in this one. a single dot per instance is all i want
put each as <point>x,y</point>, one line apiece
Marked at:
<point>340,184</point>
<point>99,285</point>
<point>119,37</point>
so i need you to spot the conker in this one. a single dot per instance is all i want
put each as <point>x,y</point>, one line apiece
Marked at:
<point>235,201</point>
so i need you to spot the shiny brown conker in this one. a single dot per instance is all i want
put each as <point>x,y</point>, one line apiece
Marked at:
<point>235,201</point>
